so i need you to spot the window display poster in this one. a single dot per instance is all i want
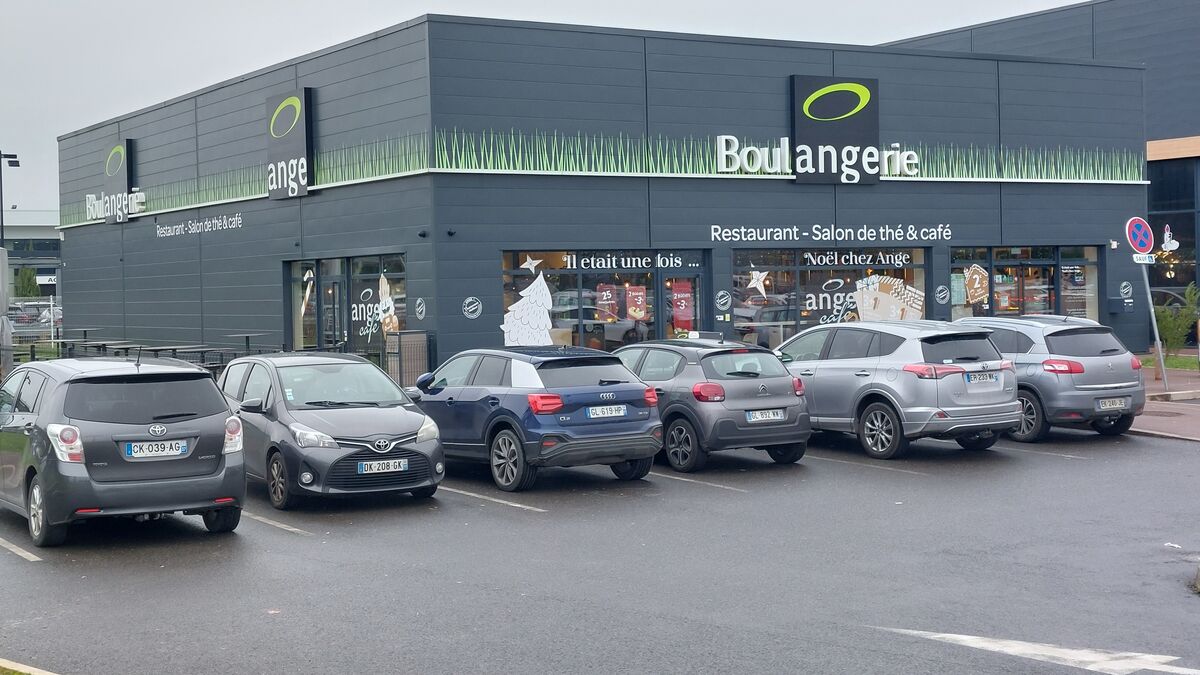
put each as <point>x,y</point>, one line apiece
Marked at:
<point>958,289</point>
<point>635,303</point>
<point>607,299</point>
<point>977,285</point>
<point>682,303</point>
<point>881,298</point>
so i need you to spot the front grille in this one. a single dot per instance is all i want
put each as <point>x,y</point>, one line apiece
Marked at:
<point>343,475</point>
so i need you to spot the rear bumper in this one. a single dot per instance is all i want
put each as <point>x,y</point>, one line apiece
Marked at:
<point>601,450</point>
<point>734,432</point>
<point>924,423</point>
<point>1074,406</point>
<point>68,488</point>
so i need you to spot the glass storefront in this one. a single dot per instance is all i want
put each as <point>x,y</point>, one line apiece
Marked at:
<point>347,303</point>
<point>1173,217</point>
<point>600,299</point>
<point>780,292</point>
<point>1016,280</point>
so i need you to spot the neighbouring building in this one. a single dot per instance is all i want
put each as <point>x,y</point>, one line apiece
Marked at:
<point>33,240</point>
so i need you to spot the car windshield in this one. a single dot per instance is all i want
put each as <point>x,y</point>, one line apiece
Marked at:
<point>144,399</point>
<point>743,364</point>
<point>338,385</point>
<point>959,348</point>
<point>586,372</point>
<point>1083,342</point>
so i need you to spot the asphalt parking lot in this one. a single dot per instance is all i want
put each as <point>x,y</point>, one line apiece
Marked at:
<point>1085,543</point>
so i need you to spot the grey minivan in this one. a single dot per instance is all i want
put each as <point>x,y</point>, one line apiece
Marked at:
<point>1071,372</point>
<point>715,395</point>
<point>892,381</point>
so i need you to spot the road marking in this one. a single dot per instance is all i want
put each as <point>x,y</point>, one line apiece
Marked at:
<point>1096,660</point>
<point>1015,449</point>
<point>22,668</point>
<point>4,543</point>
<point>698,482</point>
<point>492,499</point>
<point>276,523</point>
<point>865,465</point>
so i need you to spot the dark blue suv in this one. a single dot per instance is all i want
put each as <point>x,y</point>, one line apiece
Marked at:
<point>522,408</point>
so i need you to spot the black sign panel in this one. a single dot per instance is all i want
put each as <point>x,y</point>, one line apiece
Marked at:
<point>835,129</point>
<point>289,164</point>
<point>117,165</point>
<point>116,203</point>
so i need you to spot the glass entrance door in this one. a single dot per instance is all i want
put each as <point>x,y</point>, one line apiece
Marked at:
<point>1023,289</point>
<point>681,305</point>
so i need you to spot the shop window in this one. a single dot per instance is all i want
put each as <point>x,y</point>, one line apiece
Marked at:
<point>1024,253</point>
<point>764,305</point>
<point>1175,264</point>
<point>304,305</point>
<point>1172,184</point>
<point>1081,290</point>
<point>965,255</point>
<point>617,309</point>
<point>378,301</point>
<point>764,258</point>
<point>330,308</point>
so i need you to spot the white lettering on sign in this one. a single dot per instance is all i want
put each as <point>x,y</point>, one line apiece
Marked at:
<point>620,262</point>
<point>119,206</point>
<point>291,174</point>
<point>857,258</point>
<point>863,234</point>
<point>850,161</point>
<point>210,224</point>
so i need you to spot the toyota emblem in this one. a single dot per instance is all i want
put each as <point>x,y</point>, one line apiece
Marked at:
<point>383,445</point>
<point>608,396</point>
<point>157,430</point>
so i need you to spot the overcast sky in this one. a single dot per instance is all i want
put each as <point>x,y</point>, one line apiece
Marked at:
<point>67,64</point>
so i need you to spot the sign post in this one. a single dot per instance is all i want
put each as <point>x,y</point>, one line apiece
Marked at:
<point>1141,238</point>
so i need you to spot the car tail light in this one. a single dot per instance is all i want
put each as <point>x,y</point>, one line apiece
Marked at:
<point>932,371</point>
<point>651,396</point>
<point>66,441</point>
<point>549,442</point>
<point>798,386</point>
<point>708,392</point>
<point>1062,366</point>
<point>1135,362</point>
<point>92,510</point>
<point>542,404</point>
<point>233,435</point>
<point>1007,364</point>
<point>223,500</point>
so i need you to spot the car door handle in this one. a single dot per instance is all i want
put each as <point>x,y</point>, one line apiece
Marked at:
<point>28,428</point>
<point>493,401</point>
<point>450,401</point>
<point>806,373</point>
<point>863,373</point>
<point>660,391</point>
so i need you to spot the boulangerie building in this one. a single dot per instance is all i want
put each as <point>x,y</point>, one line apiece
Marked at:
<point>498,182</point>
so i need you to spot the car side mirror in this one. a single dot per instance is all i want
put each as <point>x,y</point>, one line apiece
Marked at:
<point>424,381</point>
<point>252,405</point>
<point>786,358</point>
<point>413,393</point>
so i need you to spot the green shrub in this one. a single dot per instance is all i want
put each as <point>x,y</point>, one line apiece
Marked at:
<point>1176,321</point>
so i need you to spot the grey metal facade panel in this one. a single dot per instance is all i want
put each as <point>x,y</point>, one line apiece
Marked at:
<point>1066,33</point>
<point>972,210</point>
<point>1044,214</point>
<point>81,163</point>
<point>953,41</point>
<point>684,210</point>
<point>354,219</point>
<point>1051,104</point>
<point>90,281</point>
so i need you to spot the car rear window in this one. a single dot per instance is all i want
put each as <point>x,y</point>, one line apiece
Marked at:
<point>741,364</point>
<point>587,372</point>
<point>960,348</point>
<point>143,399</point>
<point>1084,342</point>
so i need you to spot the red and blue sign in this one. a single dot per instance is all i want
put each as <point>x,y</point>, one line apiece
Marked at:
<point>1139,234</point>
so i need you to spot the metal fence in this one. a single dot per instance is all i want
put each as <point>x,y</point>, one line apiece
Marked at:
<point>35,319</point>
<point>407,354</point>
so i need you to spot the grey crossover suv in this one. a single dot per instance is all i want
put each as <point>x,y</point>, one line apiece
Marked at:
<point>892,381</point>
<point>716,395</point>
<point>1070,371</point>
<point>92,438</point>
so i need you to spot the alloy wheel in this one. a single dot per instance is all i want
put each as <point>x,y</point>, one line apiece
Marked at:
<point>679,445</point>
<point>36,511</point>
<point>879,431</point>
<point>1028,417</point>
<point>504,460</point>
<point>278,484</point>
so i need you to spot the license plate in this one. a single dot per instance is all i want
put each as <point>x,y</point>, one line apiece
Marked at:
<point>383,466</point>
<point>976,378</point>
<point>598,411</point>
<point>1111,404</point>
<point>142,449</point>
<point>764,415</point>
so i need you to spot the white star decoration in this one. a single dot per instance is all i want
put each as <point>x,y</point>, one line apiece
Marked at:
<point>530,264</point>
<point>758,280</point>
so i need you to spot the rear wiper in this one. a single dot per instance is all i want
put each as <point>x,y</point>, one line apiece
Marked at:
<point>966,358</point>
<point>170,415</point>
<point>744,373</point>
<point>604,382</point>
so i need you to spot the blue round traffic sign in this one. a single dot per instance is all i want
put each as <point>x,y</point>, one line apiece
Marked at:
<point>1139,234</point>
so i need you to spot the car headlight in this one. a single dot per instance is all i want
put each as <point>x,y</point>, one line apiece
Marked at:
<point>311,438</point>
<point>429,430</point>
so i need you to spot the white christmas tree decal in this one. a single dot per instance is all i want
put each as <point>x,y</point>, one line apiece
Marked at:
<point>527,321</point>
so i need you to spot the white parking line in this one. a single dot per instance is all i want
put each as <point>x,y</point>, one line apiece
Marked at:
<point>22,668</point>
<point>276,523</point>
<point>865,465</point>
<point>698,482</point>
<point>1015,449</point>
<point>19,551</point>
<point>476,495</point>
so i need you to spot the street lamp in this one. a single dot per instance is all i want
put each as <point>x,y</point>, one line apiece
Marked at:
<point>11,160</point>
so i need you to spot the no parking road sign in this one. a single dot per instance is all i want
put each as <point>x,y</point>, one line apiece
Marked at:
<point>1139,234</point>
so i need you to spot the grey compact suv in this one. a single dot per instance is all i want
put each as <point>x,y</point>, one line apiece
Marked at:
<point>1070,371</point>
<point>892,381</point>
<point>715,395</point>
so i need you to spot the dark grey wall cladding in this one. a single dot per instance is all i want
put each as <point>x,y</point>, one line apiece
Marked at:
<point>1065,34</point>
<point>970,209</point>
<point>684,210</point>
<point>1050,104</point>
<point>162,283</point>
<point>90,281</point>
<point>953,41</point>
<point>501,78</point>
<point>230,121</point>
<point>81,163</point>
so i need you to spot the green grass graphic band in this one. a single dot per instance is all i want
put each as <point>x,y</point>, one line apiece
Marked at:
<point>552,152</point>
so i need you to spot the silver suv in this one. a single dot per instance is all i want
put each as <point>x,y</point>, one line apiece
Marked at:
<point>1072,372</point>
<point>893,381</point>
<point>716,395</point>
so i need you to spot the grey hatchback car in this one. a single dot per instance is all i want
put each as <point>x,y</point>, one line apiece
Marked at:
<point>92,438</point>
<point>715,395</point>
<point>893,381</point>
<point>1070,372</point>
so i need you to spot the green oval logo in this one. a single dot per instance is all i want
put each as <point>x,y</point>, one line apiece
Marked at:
<point>864,97</point>
<point>289,102</point>
<point>118,152</point>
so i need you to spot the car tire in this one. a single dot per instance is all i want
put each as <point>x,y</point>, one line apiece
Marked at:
<point>787,454</point>
<point>633,469</point>
<point>42,534</point>
<point>506,457</point>
<point>279,484</point>
<point>1032,427</point>
<point>1114,427</point>
<point>880,432</point>
<point>978,441</point>
<point>222,520</point>
<point>682,445</point>
<point>424,492</point>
